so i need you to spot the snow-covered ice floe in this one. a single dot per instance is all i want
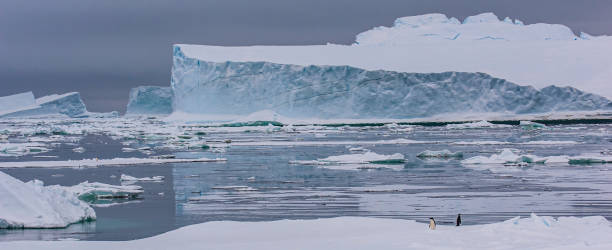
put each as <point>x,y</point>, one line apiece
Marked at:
<point>510,157</point>
<point>93,192</point>
<point>533,232</point>
<point>128,178</point>
<point>32,205</point>
<point>440,154</point>
<point>100,162</point>
<point>21,149</point>
<point>367,160</point>
<point>480,124</point>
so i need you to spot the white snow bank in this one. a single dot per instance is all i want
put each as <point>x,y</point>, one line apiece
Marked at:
<point>100,162</point>
<point>32,205</point>
<point>509,157</point>
<point>355,233</point>
<point>128,178</point>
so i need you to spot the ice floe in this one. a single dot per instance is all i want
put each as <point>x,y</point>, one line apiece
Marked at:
<point>128,178</point>
<point>510,157</point>
<point>32,205</point>
<point>100,162</point>
<point>367,160</point>
<point>445,153</point>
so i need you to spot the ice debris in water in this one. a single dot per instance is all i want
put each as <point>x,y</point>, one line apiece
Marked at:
<point>359,159</point>
<point>32,205</point>
<point>128,178</point>
<point>479,124</point>
<point>94,192</point>
<point>510,157</point>
<point>529,125</point>
<point>445,153</point>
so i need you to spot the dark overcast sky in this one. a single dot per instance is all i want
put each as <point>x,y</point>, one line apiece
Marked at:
<point>102,48</point>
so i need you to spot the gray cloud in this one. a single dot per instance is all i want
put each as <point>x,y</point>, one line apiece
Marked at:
<point>103,48</point>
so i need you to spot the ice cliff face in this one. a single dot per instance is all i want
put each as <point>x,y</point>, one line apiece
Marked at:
<point>69,104</point>
<point>348,92</point>
<point>150,100</point>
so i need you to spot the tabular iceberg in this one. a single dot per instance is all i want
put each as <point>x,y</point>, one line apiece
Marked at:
<point>150,100</point>
<point>69,104</point>
<point>347,92</point>
<point>536,54</point>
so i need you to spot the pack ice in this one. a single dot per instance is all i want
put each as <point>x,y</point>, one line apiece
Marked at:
<point>24,104</point>
<point>150,100</point>
<point>369,79</point>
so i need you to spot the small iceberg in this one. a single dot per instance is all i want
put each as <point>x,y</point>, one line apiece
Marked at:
<point>32,205</point>
<point>480,124</point>
<point>95,192</point>
<point>529,125</point>
<point>440,154</point>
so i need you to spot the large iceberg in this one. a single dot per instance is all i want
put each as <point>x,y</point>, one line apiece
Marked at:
<point>32,205</point>
<point>241,88</point>
<point>150,100</point>
<point>534,54</point>
<point>69,104</point>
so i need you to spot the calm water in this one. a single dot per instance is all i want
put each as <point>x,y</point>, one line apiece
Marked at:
<point>257,183</point>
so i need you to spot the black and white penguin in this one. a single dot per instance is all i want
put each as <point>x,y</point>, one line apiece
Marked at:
<point>458,219</point>
<point>432,224</point>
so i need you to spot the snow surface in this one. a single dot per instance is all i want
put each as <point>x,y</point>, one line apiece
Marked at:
<point>534,232</point>
<point>99,162</point>
<point>32,205</point>
<point>150,100</point>
<point>536,54</point>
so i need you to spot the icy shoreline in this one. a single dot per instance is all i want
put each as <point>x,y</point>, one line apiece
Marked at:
<point>534,232</point>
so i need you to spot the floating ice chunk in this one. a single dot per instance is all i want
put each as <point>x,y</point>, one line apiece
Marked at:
<point>440,154</point>
<point>100,162</point>
<point>367,160</point>
<point>529,125</point>
<point>20,149</point>
<point>479,124</point>
<point>92,192</point>
<point>507,156</point>
<point>79,150</point>
<point>128,178</point>
<point>32,205</point>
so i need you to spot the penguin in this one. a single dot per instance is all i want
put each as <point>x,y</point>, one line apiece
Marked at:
<point>432,224</point>
<point>458,219</point>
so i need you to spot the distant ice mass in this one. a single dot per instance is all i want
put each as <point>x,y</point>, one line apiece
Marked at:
<point>150,100</point>
<point>66,105</point>
<point>321,91</point>
<point>69,104</point>
<point>534,54</point>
